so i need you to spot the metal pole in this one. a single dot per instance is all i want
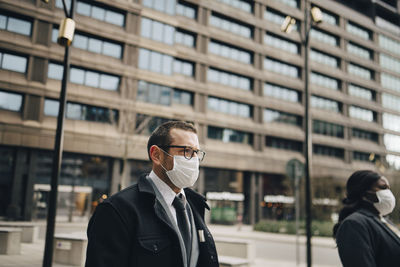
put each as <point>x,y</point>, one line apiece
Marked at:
<point>308,141</point>
<point>58,148</point>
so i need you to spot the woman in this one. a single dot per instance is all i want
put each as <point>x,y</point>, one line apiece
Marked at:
<point>364,238</point>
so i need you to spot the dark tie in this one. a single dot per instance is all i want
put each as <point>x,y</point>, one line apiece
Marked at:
<point>183,223</point>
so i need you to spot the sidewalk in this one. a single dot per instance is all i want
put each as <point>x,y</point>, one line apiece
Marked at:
<point>32,254</point>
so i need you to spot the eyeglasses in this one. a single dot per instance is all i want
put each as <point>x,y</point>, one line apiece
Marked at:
<point>188,152</point>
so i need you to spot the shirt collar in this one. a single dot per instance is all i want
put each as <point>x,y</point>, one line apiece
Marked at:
<point>167,193</point>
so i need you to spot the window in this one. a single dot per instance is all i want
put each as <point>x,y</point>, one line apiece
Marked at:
<point>280,43</point>
<point>157,31</point>
<point>291,3</point>
<point>245,6</point>
<point>229,135</point>
<point>390,82</point>
<point>391,122</point>
<point>389,44</point>
<point>363,134</point>
<point>324,81</point>
<point>329,17</point>
<point>229,107</point>
<point>324,103</point>
<point>85,77</point>
<point>361,92</point>
<point>285,144</point>
<point>391,101</point>
<point>92,44</point>
<point>229,79</point>
<point>362,156</point>
<point>359,50</point>
<point>324,58</point>
<point>101,13</point>
<point>183,67</point>
<point>327,128</point>
<point>10,101</point>
<point>146,124</point>
<point>324,37</point>
<point>231,52</point>
<point>393,161</point>
<point>231,26</point>
<point>328,151</point>
<point>13,62</point>
<point>76,111</point>
<point>387,25</point>
<point>359,71</point>
<point>155,62</point>
<point>162,95</point>
<point>389,63</point>
<point>281,92</point>
<point>358,31</point>
<point>392,142</point>
<point>185,38</point>
<point>281,117</point>
<point>185,10</point>
<point>14,24</point>
<point>277,18</point>
<point>281,68</point>
<point>361,113</point>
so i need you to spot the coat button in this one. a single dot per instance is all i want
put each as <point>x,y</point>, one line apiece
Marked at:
<point>212,257</point>
<point>155,248</point>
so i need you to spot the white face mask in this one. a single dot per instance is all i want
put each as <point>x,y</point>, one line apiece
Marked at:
<point>386,202</point>
<point>185,171</point>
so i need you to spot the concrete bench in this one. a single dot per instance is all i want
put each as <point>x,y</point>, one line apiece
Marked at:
<point>30,230</point>
<point>235,252</point>
<point>70,249</point>
<point>10,240</point>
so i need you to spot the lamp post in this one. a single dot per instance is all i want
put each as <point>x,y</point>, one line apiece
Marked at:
<point>65,36</point>
<point>316,17</point>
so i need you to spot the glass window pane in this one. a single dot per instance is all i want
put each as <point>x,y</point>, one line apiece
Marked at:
<point>3,22</point>
<point>144,59</point>
<point>157,31</point>
<point>51,107</point>
<point>169,34</point>
<point>14,63</point>
<point>98,13</point>
<point>83,8</point>
<point>10,101</point>
<point>155,59</point>
<point>74,111</point>
<point>94,45</point>
<point>19,26</point>
<point>145,28</point>
<point>112,50</point>
<point>77,76</point>
<point>167,65</point>
<point>55,71</point>
<point>92,79</point>
<point>114,18</point>
<point>79,41</point>
<point>109,82</point>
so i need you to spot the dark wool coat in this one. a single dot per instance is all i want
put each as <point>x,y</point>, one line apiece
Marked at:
<point>131,229</point>
<point>364,241</point>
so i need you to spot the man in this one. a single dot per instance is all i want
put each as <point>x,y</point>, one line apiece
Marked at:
<point>159,221</point>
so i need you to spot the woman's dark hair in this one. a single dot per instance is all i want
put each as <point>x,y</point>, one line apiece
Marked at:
<point>357,185</point>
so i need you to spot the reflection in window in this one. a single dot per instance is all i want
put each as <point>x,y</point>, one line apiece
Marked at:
<point>359,51</point>
<point>146,124</point>
<point>328,151</point>
<point>390,82</point>
<point>13,62</point>
<point>391,122</point>
<point>243,5</point>
<point>228,51</point>
<point>393,161</point>
<point>182,97</point>
<point>324,37</point>
<point>101,13</point>
<point>363,134</point>
<point>358,30</point>
<point>229,79</point>
<point>391,101</point>
<point>281,68</point>
<point>324,81</point>
<point>361,113</point>
<point>392,142</point>
<point>95,45</point>
<point>77,111</point>
<point>14,24</point>
<point>162,95</point>
<point>324,103</point>
<point>361,92</point>
<point>282,143</point>
<point>229,135</point>
<point>231,26</point>
<point>280,92</point>
<point>281,117</point>
<point>280,43</point>
<point>85,77</point>
<point>359,71</point>
<point>10,101</point>
<point>327,128</point>
<point>324,58</point>
<point>229,107</point>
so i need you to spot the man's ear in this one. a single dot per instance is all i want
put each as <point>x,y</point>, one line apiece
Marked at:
<point>155,154</point>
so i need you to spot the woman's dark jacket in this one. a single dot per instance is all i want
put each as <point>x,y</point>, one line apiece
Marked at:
<point>128,230</point>
<point>364,241</point>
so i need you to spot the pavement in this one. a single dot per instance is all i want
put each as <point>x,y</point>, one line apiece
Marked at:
<point>32,254</point>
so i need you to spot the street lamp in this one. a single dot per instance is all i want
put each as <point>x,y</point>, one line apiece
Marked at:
<point>316,16</point>
<point>65,36</point>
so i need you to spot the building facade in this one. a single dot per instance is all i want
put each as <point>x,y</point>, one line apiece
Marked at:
<point>224,65</point>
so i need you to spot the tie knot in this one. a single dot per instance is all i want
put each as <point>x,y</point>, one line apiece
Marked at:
<point>179,202</point>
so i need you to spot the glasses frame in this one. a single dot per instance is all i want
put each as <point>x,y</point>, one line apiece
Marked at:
<point>184,151</point>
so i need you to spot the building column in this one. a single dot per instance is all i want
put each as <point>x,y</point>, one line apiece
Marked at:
<point>260,198</point>
<point>253,192</point>
<point>28,204</point>
<point>200,182</point>
<point>116,176</point>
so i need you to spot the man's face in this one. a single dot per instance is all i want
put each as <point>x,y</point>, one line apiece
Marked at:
<point>179,137</point>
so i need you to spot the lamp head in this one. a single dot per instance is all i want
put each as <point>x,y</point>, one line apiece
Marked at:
<point>287,24</point>
<point>316,14</point>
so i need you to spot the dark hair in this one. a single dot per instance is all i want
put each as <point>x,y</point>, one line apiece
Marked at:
<point>357,185</point>
<point>161,135</point>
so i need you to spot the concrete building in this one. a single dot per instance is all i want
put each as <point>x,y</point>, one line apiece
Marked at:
<point>224,65</point>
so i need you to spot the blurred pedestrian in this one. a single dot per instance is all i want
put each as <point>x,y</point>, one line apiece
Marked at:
<point>364,236</point>
<point>158,222</point>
